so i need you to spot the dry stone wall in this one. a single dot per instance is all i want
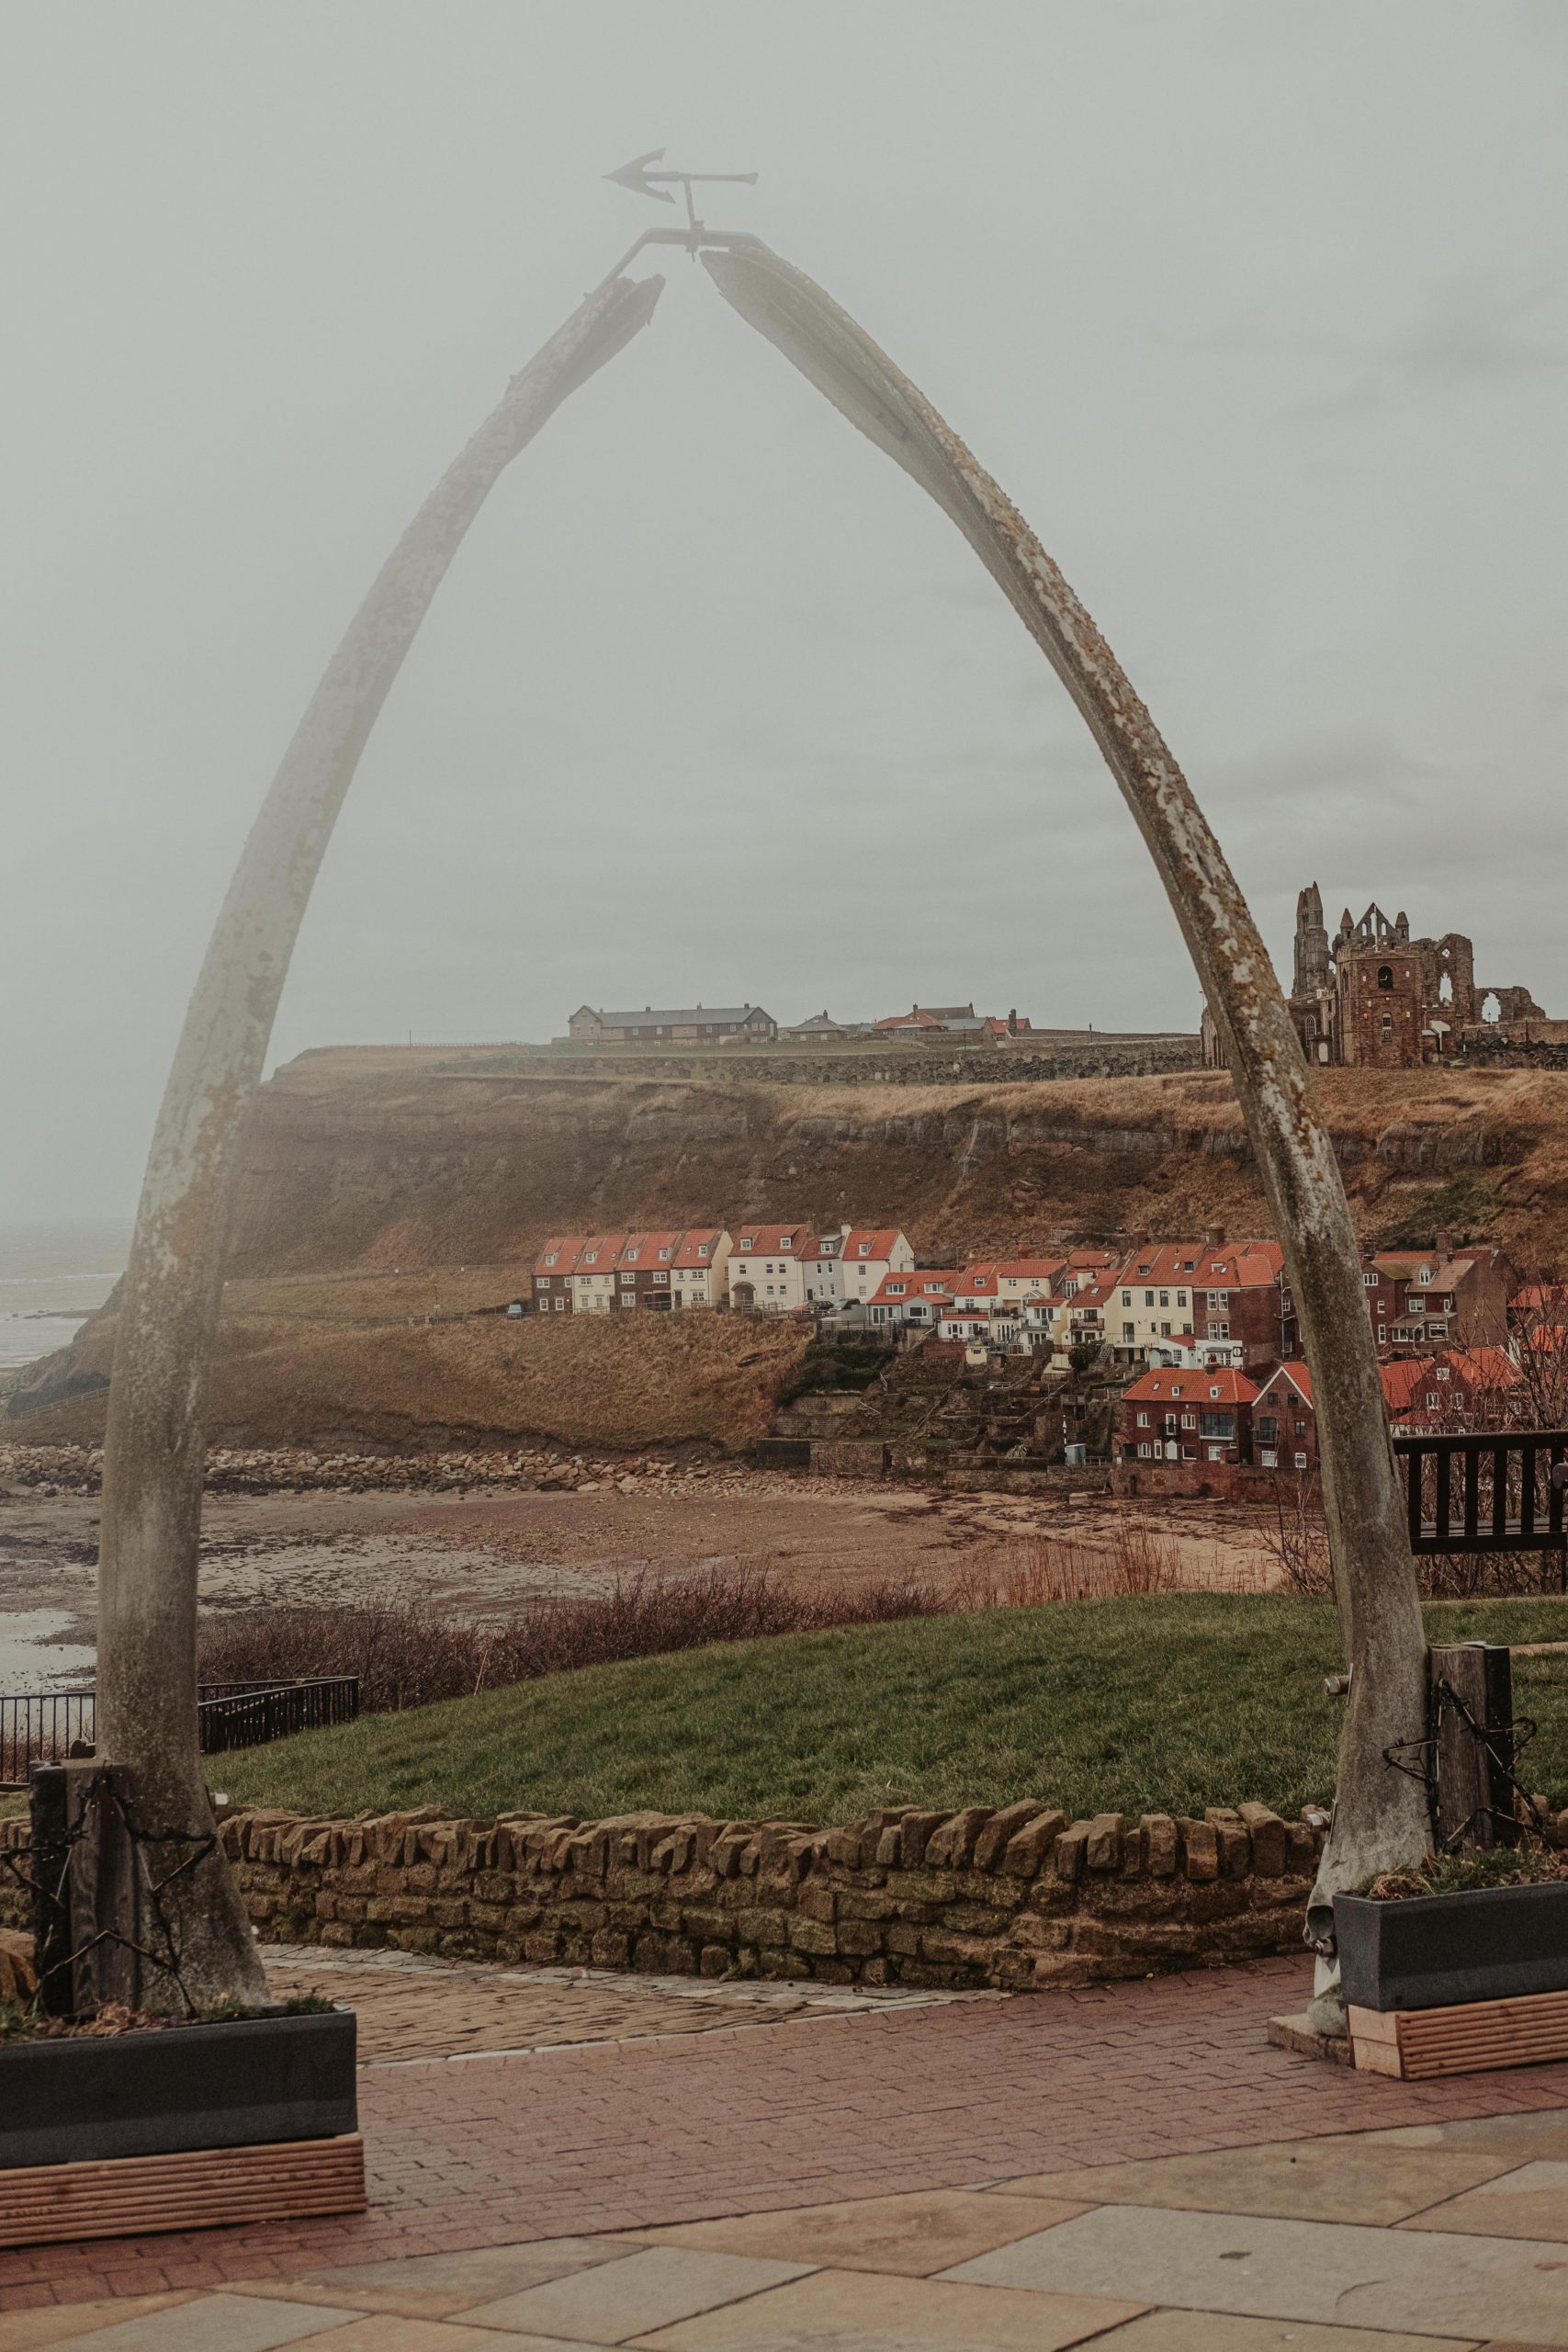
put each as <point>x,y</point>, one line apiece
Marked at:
<point>1012,1898</point>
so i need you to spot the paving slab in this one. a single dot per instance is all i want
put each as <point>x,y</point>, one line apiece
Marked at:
<point>914,2235</point>
<point>1523,2134</point>
<point>212,2323</point>
<point>431,2336</point>
<point>1226,2332</point>
<point>852,2312</point>
<point>1415,2281</point>
<point>1338,2179</point>
<point>25,2331</point>
<point>646,2289</point>
<point>435,2285</point>
<point>1530,2202</point>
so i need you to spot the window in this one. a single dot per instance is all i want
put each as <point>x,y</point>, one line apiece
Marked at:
<point>628,1282</point>
<point>1268,1457</point>
<point>1218,1330</point>
<point>1385,981</point>
<point>633,1255</point>
<point>1444,1373</point>
<point>1265,1428</point>
<point>1433,1401</point>
<point>1219,1425</point>
<point>1142,1420</point>
<point>1129,1330</point>
<point>1148,1298</point>
<point>551,1256</point>
<point>1301,1461</point>
<point>1216,1454</point>
<point>661,1278</point>
<point>1382,1333</point>
<point>1189,1420</point>
<point>748,1241</point>
<point>561,1306</point>
<point>895,1290</point>
<point>865,1249</point>
<point>591,1257</point>
<point>543,1282</point>
<point>702,1248</point>
<point>1181,1298</point>
<point>664,1256</point>
<point>1165,1299</point>
<point>1126,1298</point>
<point>1219,1298</point>
<point>1300,1429</point>
<point>1371,1281</point>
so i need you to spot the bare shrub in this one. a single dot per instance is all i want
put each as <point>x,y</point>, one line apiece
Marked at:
<point>407,1656</point>
<point>1297,1540</point>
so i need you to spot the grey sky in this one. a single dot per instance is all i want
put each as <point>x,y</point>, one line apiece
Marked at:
<point>1259,310</point>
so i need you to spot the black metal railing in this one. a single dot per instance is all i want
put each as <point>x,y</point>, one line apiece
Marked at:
<point>43,1727</point>
<point>1492,1491</point>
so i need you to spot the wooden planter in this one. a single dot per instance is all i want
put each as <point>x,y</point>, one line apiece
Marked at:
<point>179,2128</point>
<point>1456,1983</point>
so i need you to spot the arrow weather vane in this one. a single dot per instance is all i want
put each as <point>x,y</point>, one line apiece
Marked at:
<point>636,176</point>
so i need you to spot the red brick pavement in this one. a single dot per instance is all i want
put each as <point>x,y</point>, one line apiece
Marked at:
<point>490,2149</point>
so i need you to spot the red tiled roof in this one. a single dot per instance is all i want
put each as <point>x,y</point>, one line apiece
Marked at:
<point>642,1250</point>
<point>865,1244</point>
<point>775,1241</point>
<point>599,1253</point>
<point>562,1247</point>
<point>1244,1265</point>
<point>1476,1368</point>
<point>688,1255</point>
<point>1226,1387</point>
<point>1031,1270</point>
<point>1298,1371</point>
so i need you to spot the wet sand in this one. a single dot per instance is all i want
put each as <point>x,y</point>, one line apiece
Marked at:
<point>488,1553</point>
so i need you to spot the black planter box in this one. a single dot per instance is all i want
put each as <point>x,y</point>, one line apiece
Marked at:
<point>1496,1943</point>
<point>156,2092</point>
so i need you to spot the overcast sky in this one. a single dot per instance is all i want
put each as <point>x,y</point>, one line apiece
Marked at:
<point>1256,309</point>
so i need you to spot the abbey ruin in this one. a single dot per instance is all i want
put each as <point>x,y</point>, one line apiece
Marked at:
<point>1375,997</point>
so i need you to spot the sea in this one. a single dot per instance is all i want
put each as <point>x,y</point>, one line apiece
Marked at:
<point>51,1276</point>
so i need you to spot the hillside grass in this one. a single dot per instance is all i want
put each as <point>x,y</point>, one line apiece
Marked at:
<point>1162,1704</point>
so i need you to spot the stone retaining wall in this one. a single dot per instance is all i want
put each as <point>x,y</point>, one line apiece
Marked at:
<point>1014,1898</point>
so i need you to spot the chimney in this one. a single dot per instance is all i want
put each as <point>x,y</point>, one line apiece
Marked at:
<point>1214,1236</point>
<point>1012,1021</point>
<point>1444,1245</point>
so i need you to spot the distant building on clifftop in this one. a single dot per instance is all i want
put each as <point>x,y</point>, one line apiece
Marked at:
<point>1375,997</point>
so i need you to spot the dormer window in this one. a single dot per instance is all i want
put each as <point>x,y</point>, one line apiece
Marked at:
<point>748,1241</point>
<point>702,1248</point>
<point>550,1257</point>
<point>664,1256</point>
<point>632,1257</point>
<point>592,1256</point>
<point>787,1241</point>
<point>1215,1391</point>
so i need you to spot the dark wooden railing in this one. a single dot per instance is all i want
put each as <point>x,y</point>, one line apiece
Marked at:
<point>1496,1491</point>
<point>43,1727</point>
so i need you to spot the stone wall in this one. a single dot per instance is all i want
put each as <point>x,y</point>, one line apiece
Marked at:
<point>1014,1898</point>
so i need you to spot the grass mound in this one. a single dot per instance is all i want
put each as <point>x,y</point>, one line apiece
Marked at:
<point>1166,1703</point>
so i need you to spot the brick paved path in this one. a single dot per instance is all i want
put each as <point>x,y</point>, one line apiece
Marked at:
<point>487,2151</point>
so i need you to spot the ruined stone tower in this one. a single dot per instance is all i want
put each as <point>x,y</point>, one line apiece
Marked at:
<point>1313,973</point>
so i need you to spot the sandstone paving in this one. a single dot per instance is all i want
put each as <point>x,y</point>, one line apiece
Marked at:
<point>436,2286</point>
<point>1172,2331</point>
<point>212,2323</point>
<point>647,2288</point>
<point>853,2311</point>
<point>915,2234</point>
<point>1336,2179</point>
<point>1530,2202</point>
<point>1473,2287</point>
<point>1519,2133</point>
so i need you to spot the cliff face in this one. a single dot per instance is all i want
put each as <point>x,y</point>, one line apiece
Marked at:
<point>424,1158</point>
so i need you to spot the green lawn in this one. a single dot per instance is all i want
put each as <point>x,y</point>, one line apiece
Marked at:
<point>1164,1704</point>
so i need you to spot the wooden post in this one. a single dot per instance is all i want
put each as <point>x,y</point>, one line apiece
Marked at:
<point>51,1907</point>
<point>102,1879</point>
<point>1476,1793</point>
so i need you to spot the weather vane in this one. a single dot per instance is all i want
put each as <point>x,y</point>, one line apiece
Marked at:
<point>636,176</point>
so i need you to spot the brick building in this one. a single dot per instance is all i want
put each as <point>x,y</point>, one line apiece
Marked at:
<point>1444,1295</point>
<point>1209,1297</point>
<point>713,1025</point>
<point>1186,1417</point>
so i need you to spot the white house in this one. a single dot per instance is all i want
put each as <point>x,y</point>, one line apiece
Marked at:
<point>593,1276</point>
<point>914,1298</point>
<point>700,1274</point>
<point>767,1268</point>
